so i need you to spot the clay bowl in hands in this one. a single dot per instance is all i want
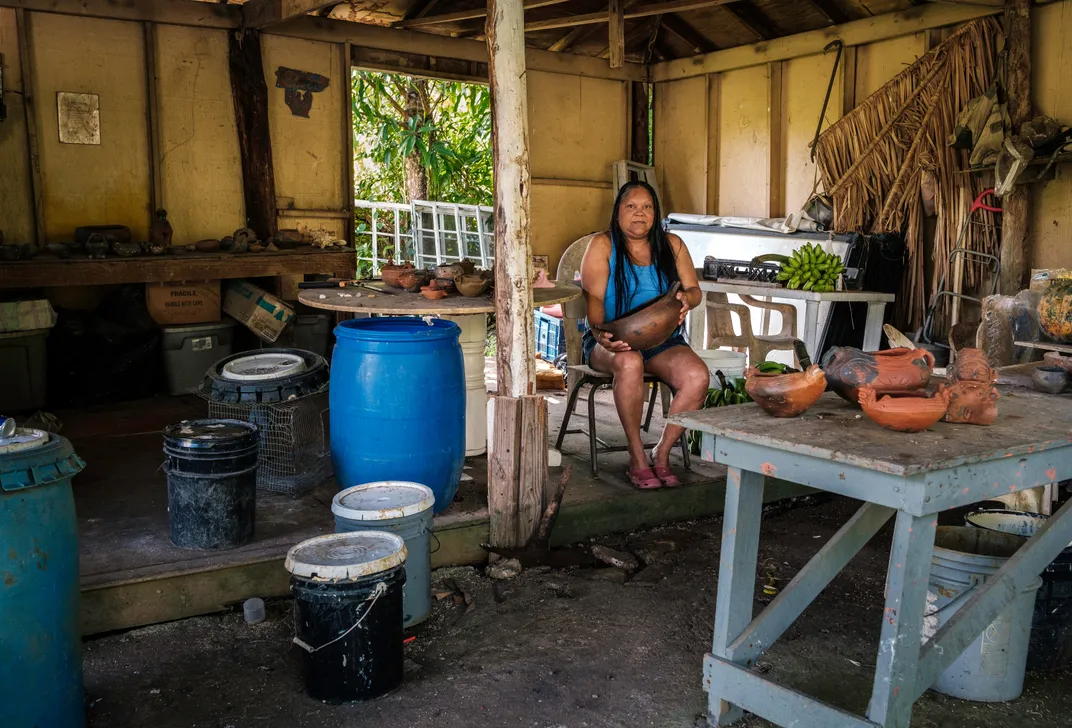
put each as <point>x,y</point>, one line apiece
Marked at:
<point>648,325</point>
<point>471,285</point>
<point>786,395</point>
<point>904,412</point>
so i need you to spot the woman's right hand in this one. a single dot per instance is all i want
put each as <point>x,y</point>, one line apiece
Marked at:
<point>606,340</point>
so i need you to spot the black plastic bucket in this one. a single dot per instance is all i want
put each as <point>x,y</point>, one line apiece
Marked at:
<point>349,630</point>
<point>211,468</point>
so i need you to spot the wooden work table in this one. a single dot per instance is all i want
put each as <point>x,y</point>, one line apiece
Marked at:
<point>45,270</point>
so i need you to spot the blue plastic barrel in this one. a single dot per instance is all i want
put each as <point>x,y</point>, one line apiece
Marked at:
<point>40,639</point>
<point>397,401</point>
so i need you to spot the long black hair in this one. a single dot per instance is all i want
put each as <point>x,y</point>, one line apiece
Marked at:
<point>662,255</point>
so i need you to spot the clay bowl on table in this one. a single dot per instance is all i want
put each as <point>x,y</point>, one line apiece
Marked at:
<point>391,272</point>
<point>415,279</point>
<point>785,395</point>
<point>650,324</point>
<point>450,272</point>
<point>892,371</point>
<point>433,293</point>
<point>1050,379</point>
<point>1056,359</point>
<point>904,412</point>
<point>472,285</point>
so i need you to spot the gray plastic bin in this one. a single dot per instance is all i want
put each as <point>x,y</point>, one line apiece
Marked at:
<point>190,350</point>
<point>22,371</point>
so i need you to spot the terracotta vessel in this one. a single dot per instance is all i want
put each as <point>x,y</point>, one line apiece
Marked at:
<point>1056,359</point>
<point>887,372</point>
<point>471,285</point>
<point>972,366</point>
<point>414,279</point>
<point>432,293</point>
<point>450,272</point>
<point>648,325</point>
<point>972,403</point>
<point>390,273</point>
<point>785,395</point>
<point>905,411</point>
<point>161,232</point>
<point>1051,380</point>
<point>1055,310</point>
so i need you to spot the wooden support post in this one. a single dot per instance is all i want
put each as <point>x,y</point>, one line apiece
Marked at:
<point>616,33</point>
<point>776,193</point>
<point>348,143</point>
<point>22,28</point>
<point>152,117</point>
<point>515,475</point>
<point>640,128</point>
<point>1014,219</point>
<point>249,93</point>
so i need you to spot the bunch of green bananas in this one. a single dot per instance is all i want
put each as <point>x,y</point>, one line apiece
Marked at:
<point>773,367</point>
<point>812,269</point>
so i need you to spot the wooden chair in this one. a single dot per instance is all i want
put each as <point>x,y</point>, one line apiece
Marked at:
<point>720,331</point>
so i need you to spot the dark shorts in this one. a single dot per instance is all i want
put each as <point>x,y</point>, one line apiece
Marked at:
<point>589,344</point>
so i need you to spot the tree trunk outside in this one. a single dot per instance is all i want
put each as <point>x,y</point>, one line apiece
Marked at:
<point>416,174</point>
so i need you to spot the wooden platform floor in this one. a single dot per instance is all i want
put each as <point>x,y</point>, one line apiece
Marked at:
<point>132,575</point>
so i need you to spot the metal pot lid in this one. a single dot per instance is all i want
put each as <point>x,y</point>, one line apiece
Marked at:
<point>205,433</point>
<point>25,438</point>
<point>382,501</point>
<point>346,556</point>
<point>262,367</point>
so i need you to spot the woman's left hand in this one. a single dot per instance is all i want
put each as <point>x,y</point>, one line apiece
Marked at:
<point>683,297</point>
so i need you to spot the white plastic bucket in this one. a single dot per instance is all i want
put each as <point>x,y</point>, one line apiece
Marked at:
<point>730,363</point>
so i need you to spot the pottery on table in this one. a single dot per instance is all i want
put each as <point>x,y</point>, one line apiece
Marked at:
<point>390,273</point>
<point>1056,359</point>
<point>207,246</point>
<point>160,232</point>
<point>1055,311</point>
<point>972,403</point>
<point>414,279</point>
<point>972,366</point>
<point>887,372</point>
<point>648,325</point>
<point>1050,379</point>
<point>471,285</point>
<point>433,293</point>
<point>450,272</point>
<point>785,395</point>
<point>904,411</point>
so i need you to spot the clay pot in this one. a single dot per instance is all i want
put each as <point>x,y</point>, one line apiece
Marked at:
<point>887,372</point>
<point>650,324</point>
<point>207,246</point>
<point>415,279</point>
<point>1055,359</point>
<point>432,293</point>
<point>1051,380</point>
<point>972,403</point>
<point>785,395</point>
<point>390,273</point>
<point>472,285</point>
<point>450,272</point>
<point>904,411</point>
<point>1055,311</point>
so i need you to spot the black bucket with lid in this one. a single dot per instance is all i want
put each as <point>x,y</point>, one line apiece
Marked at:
<point>211,468</point>
<point>347,591</point>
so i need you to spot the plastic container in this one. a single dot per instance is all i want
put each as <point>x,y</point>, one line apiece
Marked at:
<point>253,610</point>
<point>404,509</point>
<point>992,668</point>
<point>312,332</point>
<point>347,591</point>
<point>211,468</point>
<point>40,636</point>
<point>23,371</point>
<point>190,350</point>
<point>397,404</point>
<point>730,363</point>
<point>1051,626</point>
<point>550,336</point>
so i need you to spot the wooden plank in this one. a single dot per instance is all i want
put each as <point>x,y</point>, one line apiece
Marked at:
<point>172,12</point>
<point>533,467</point>
<point>348,145</point>
<point>471,14</point>
<point>504,462</point>
<point>674,6</point>
<point>419,66</point>
<point>776,144</point>
<point>857,32</point>
<point>37,191</point>
<point>249,92</point>
<point>1016,213</point>
<point>848,80</point>
<point>714,141</point>
<point>680,27</point>
<point>832,12</point>
<point>555,182</point>
<point>616,33</point>
<point>152,121</point>
<point>45,271</point>
<point>752,18</point>
<point>263,13</point>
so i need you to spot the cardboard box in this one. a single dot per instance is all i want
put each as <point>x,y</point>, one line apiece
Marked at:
<point>259,311</point>
<point>176,303</point>
<point>26,316</point>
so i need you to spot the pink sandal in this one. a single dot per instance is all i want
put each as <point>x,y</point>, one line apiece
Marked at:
<point>663,473</point>
<point>644,478</point>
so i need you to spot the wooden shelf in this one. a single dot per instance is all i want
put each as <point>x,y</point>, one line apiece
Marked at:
<point>44,271</point>
<point>1045,346</point>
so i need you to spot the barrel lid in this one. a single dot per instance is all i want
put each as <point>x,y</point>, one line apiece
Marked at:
<point>346,556</point>
<point>397,329</point>
<point>263,367</point>
<point>208,433</point>
<point>382,501</point>
<point>25,438</point>
<point>50,458</point>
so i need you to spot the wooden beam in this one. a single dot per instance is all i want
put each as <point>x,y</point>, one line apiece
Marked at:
<point>616,33</point>
<point>152,119</point>
<point>832,12</point>
<point>693,38</point>
<point>472,14</point>
<point>420,8</point>
<point>674,6</point>
<point>776,145</point>
<point>348,145</point>
<point>1016,213</point>
<point>858,32</point>
<point>172,12</point>
<point>581,33</point>
<point>714,136</point>
<point>263,13</point>
<point>249,92</point>
<point>752,18</point>
<point>848,80</point>
<point>37,190</point>
<point>420,66</point>
<point>641,31</point>
<point>640,129</point>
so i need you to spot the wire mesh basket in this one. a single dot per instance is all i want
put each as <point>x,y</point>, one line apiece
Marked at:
<point>739,270</point>
<point>295,455</point>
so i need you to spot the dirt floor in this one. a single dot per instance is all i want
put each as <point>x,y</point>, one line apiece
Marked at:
<point>548,648</point>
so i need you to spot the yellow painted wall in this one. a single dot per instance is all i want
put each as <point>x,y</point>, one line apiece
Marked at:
<point>92,184</point>
<point>681,144</point>
<point>804,82</point>
<point>577,129</point>
<point>16,204</point>
<point>877,63</point>
<point>200,170</point>
<point>744,143</point>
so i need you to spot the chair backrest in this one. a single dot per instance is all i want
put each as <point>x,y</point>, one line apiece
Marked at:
<point>720,330</point>
<point>568,267</point>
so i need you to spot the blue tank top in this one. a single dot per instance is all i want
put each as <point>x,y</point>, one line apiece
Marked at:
<point>642,282</point>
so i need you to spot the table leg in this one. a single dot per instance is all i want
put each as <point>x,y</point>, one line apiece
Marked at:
<point>876,312</point>
<point>736,575</point>
<point>474,332</point>
<point>902,622</point>
<point>811,330</point>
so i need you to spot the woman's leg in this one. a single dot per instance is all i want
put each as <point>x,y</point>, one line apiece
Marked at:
<point>628,370</point>
<point>690,378</point>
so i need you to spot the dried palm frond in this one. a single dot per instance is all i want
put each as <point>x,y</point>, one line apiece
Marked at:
<point>872,160</point>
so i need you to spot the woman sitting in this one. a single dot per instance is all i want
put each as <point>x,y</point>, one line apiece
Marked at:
<point>632,263</point>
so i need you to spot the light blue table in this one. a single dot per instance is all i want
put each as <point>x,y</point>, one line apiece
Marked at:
<point>913,477</point>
